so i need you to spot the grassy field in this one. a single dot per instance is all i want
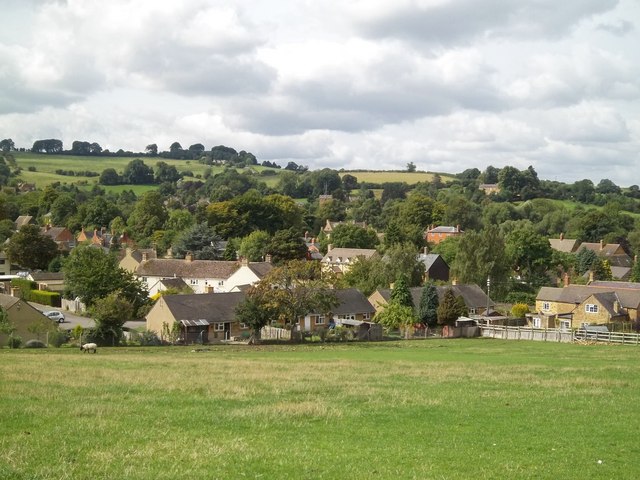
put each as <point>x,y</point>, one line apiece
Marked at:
<point>46,165</point>
<point>384,176</point>
<point>455,409</point>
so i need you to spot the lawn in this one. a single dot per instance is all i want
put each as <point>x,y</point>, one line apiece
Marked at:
<point>454,409</point>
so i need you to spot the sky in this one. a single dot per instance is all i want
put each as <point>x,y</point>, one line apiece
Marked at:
<point>375,84</point>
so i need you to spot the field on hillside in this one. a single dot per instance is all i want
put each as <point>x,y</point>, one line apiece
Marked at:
<point>46,165</point>
<point>454,409</point>
<point>410,178</point>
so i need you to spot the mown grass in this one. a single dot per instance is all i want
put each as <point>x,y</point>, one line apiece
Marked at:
<point>423,409</point>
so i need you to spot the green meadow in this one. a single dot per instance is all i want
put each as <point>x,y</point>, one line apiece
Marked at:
<point>443,409</point>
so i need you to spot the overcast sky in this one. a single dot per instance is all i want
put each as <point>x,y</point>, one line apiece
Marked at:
<point>359,84</point>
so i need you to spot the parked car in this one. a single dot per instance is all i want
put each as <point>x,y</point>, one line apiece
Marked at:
<point>55,315</point>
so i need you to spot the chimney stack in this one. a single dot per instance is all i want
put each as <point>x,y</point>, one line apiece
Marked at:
<point>145,256</point>
<point>561,236</point>
<point>590,276</point>
<point>454,281</point>
<point>601,244</point>
<point>566,280</point>
<point>244,261</point>
<point>267,258</point>
<point>329,247</point>
<point>188,257</point>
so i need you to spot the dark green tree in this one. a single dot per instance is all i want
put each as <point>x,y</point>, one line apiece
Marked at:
<point>257,311</point>
<point>584,260</point>
<point>428,309</point>
<point>348,235</point>
<point>109,176</point>
<point>286,245</point>
<point>400,292</point>
<point>110,314</point>
<point>31,249</point>
<point>448,310</point>
<point>201,240</point>
<point>149,215</point>
<point>137,173</point>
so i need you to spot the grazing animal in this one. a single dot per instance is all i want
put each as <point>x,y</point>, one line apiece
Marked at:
<point>89,347</point>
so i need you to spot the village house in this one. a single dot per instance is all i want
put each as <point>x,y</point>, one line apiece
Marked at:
<point>205,318</point>
<point>435,235</point>
<point>202,276</point>
<point>474,298</point>
<point>575,306</point>
<point>51,281</point>
<point>23,220</point>
<point>133,257</point>
<point>28,323</point>
<point>435,268</point>
<point>565,245</point>
<point>490,188</point>
<point>330,226</point>
<point>61,235</point>
<point>340,260</point>
<point>353,309</point>
<point>612,252</point>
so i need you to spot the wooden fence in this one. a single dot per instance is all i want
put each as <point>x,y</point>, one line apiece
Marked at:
<point>273,333</point>
<point>557,335</point>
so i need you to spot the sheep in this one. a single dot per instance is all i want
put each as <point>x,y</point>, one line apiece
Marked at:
<point>88,347</point>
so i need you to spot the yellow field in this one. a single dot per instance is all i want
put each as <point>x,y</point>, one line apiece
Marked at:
<point>387,177</point>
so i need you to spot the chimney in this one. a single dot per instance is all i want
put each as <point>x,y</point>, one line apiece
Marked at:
<point>47,227</point>
<point>454,281</point>
<point>306,235</point>
<point>329,247</point>
<point>590,276</point>
<point>188,257</point>
<point>566,279</point>
<point>561,236</point>
<point>601,244</point>
<point>425,250</point>
<point>267,258</point>
<point>244,261</point>
<point>458,228</point>
<point>145,256</point>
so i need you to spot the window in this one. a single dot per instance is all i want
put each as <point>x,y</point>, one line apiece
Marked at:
<point>591,308</point>
<point>565,325</point>
<point>472,311</point>
<point>319,320</point>
<point>194,281</point>
<point>243,326</point>
<point>366,316</point>
<point>346,317</point>
<point>546,306</point>
<point>218,327</point>
<point>221,283</point>
<point>537,323</point>
<point>1,261</point>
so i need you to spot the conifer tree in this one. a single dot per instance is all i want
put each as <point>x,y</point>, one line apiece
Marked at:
<point>428,309</point>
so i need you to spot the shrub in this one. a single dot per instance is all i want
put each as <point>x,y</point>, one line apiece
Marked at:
<point>322,333</point>
<point>519,310</point>
<point>31,169</point>
<point>58,337</point>
<point>44,297</point>
<point>149,338</point>
<point>25,286</point>
<point>34,344</point>
<point>521,297</point>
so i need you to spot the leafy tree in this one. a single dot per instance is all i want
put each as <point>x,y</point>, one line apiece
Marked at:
<point>519,310</point>
<point>394,190</point>
<point>109,176</point>
<point>481,255</point>
<point>635,272</point>
<point>179,220</point>
<point>197,150</point>
<point>31,249</point>
<point>286,245</point>
<point>349,182</point>
<point>99,212</point>
<point>394,316</point>
<point>166,173</point>
<point>201,240</point>
<point>411,167</point>
<point>255,246</point>
<point>137,173</point>
<point>149,215</point>
<point>7,145</point>
<point>348,235</point>
<point>256,310</point>
<point>50,146</point>
<point>583,191</point>
<point>295,289</point>
<point>601,269</point>
<point>151,150</point>
<point>110,314</point>
<point>606,186</point>
<point>428,309</point>
<point>400,292</point>
<point>90,274</point>
<point>449,309</point>
<point>530,254</point>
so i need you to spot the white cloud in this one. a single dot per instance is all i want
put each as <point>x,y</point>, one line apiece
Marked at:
<point>447,84</point>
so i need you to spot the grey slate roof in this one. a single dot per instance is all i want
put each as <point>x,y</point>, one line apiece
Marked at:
<point>472,295</point>
<point>170,267</point>
<point>429,259</point>
<point>43,276</point>
<point>351,300</point>
<point>260,268</point>
<point>341,255</point>
<point>174,282</point>
<point>213,307</point>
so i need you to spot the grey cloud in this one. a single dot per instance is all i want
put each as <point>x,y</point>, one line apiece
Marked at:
<point>618,29</point>
<point>460,21</point>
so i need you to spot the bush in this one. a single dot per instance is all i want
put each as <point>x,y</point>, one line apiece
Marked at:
<point>58,337</point>
<point>44,297</point>
<point>149,338</point>
<point>35,344</point>
<point>322,333</point>
<point>519,310</point>
<point>31,169</point>
<point>521,297</point>
<point>14,342</point>
<point>25,286</point>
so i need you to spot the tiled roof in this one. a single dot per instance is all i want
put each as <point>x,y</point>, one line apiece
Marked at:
<point>429,259</point>
<point>43,276</point>
<point>213,307</point>
<point>445,229</point>
<point>576,294</point>
<point>170,267</point>
<point>567,245</point>
<point>260,268</point>
<point>472,295</point>
<point>347,255</point>
<point>351,300</point>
